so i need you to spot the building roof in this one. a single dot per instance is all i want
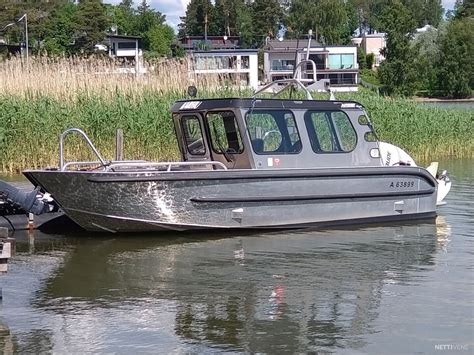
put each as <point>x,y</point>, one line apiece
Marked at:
<point>227,51</point>
<point>123,37</point>
<point>190,43</point>
<point>210,37</point>
<point>375,35</point>
<point>288,45</point>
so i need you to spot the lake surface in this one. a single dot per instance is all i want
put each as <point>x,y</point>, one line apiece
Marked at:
<point>392,289</point>
<point>458,105</point>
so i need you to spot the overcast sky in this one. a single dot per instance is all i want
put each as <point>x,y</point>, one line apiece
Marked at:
<point>173,9</point>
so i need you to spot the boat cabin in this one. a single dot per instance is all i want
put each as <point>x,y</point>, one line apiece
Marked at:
<point>275,133</point>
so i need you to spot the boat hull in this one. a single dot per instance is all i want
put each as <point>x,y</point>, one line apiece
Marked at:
<point>286,198</point>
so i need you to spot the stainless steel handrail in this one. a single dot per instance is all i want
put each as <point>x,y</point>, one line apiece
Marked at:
<point>86,138</point>
<point>284,81</point>
<point>96,162</point>
<point>80,163</point>
<point>295,79</point>
<point>168,165</point>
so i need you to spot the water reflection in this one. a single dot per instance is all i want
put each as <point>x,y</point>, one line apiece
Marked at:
<point>297,292</point>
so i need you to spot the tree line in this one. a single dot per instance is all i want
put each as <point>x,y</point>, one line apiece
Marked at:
<point>332,21</point>
<point>438,62</point>
<point>57,27</point>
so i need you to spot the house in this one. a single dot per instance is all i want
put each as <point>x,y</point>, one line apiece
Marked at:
<point>337,64</point>
<point>124,47</point>
<point>239,66</point>
<point>221,56</point>
<point>372,43</point>
<point>128,49</point>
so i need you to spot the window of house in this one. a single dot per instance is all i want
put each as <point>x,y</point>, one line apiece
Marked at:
<point>341,61</point>
<point>273,132</point>
<point>245,62</point>
<point>348,79</point>
<point>319,60</point>
<point>127,45</point>
<point>283,64</point>
<point>347,61</point>
<point>224,131</point>
<point>193,137</point>
<point>330,131</point>
<point>215,62</point>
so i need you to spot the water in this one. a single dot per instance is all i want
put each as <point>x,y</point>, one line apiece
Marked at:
<point>394,289</point>
<point>458,105</point>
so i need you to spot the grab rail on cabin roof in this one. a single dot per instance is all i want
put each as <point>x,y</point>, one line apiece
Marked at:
<point>293,80</point>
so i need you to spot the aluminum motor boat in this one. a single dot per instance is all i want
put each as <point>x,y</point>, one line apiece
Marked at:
<point>250,163</point>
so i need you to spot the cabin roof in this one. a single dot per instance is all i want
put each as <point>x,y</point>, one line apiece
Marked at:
<point>227,103</point>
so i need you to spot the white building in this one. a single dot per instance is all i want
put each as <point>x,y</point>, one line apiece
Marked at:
<point>338,64</point>
<point>127,48</point>
<point>124,46</point>
<point>240,66</point>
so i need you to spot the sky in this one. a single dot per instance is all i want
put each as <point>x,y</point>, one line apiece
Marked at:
<point>173,9</point>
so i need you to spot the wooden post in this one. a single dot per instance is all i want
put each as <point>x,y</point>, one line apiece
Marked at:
<point>119,145</point>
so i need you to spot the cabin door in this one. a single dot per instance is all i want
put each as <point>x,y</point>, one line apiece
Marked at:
<point>193,138</point>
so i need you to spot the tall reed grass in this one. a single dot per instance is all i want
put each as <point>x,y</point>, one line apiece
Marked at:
<point>37,104</point>
<point>66,78</point>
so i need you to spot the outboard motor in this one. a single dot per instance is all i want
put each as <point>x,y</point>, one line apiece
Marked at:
<point>27,201</point>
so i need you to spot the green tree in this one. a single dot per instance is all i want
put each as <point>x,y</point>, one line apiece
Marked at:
<point>59,31</point>
<point>38,13</point>
<point>147,18</point>
<point>160,39</point>
<point>302,17</point>
<point>244,25</point>
<point>91,23</point>
<point>397,73</point>
<point>198,19</point>
<point>360,11</point>
<point>456,68</point>
<point>425,11</point>
<point>426,49</point>
<point>332,22</point>
<point>361,58</point>
<point>328,18</point>
<point>267,17</point>
<point>464,9</point>
<point>123,18</point>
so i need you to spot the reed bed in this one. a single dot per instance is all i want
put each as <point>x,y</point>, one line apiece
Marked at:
<point>66,78</point>
<point>37,104</point>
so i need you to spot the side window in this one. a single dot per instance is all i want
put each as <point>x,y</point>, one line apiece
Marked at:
<point>345,131</point>
<point>273,132</point>
<point>225,136</point>
<point>193,135</point>
<point>330,131</point>
<point>321,129</point>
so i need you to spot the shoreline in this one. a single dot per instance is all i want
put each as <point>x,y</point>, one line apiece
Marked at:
<point>433,99</point>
